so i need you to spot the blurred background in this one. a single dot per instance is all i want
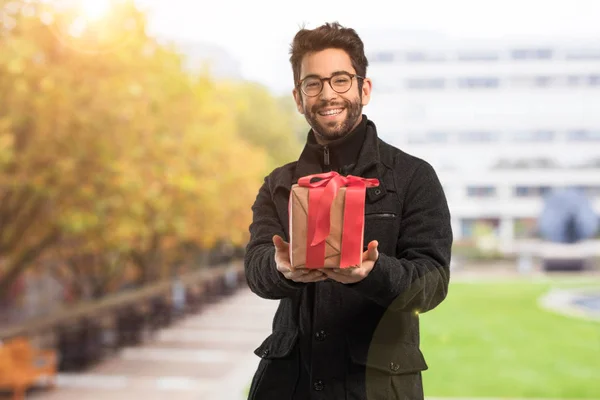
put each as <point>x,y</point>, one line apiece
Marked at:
<point>134,135</point>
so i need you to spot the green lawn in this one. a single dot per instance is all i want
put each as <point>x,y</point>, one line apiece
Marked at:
<point>492,340</point>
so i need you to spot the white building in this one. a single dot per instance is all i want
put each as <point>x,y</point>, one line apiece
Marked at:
<point>503,121</point>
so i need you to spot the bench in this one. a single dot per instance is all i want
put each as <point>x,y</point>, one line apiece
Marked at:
<point>22,366</point>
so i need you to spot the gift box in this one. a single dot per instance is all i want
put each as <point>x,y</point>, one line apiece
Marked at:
<point>326,220</point>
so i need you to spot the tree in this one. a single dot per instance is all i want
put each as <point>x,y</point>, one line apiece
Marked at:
<point>265,121</point>
<point>113,154</point>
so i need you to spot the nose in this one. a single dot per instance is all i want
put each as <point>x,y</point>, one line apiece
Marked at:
<point>327,93</point>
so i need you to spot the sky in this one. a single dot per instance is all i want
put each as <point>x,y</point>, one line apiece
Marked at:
<point>257,33</point>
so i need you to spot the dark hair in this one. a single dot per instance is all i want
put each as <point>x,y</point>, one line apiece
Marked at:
<point>328,36</point>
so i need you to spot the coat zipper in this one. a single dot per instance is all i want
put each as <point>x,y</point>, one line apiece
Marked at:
<point>326,155</point>
<point>382,215</point>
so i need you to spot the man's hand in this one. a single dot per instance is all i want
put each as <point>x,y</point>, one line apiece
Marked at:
<point>282,259</point>
<point>356,274</point>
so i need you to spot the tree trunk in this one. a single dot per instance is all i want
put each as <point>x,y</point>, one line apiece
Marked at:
<point>25,259</point>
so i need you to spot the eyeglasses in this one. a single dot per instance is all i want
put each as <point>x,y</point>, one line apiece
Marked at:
<point>340,82</point>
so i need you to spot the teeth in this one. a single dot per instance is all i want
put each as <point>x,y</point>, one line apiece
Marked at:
<point>331,112</point>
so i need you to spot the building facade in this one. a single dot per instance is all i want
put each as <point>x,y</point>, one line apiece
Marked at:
<point>504,121</point>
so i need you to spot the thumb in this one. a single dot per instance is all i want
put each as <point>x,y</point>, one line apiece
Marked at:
<point>280,244</point>
<point>372,252</point>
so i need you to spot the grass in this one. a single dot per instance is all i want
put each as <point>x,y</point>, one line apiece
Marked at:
<point>493,340</point>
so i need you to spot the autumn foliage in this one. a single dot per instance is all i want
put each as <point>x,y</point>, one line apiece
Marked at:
<point>116,159</point>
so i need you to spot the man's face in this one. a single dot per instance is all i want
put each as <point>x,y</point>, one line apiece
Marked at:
<point>331,115</point>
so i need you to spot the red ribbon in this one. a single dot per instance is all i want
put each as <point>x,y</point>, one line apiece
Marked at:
<point>320,198</point>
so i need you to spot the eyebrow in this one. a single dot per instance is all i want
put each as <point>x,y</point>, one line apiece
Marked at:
<point>333,74</point>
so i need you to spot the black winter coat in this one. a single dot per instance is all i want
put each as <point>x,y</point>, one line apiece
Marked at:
<point>356,341</point>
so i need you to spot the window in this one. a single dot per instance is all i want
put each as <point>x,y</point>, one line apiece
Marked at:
<point>481,191</point>
<point>437,137</point>
<point>583,54</point>
<point>474,227</point>
<point>428,137</point>
<point>479,82</point>
<point>540,81</point>
<point>382,57</point>
<point>526,163</point>
<point>543,81</point>
<point>532,191</point>
<point>590,163</point>
<point>575,80</point>
<point>534,136</point>
<point>590,191</point>
<point>467,227</point>
<point>525,228</point>
<point>532,54</point>
<point>583,80</point>
<point>583,135</point>
<point>539,163</point>
<point>419,56</point>
<point>477,56</point>
<point>425,83</point>
<point>478,137</point>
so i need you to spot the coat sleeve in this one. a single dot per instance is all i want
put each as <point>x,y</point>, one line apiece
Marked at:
<point>417,279</point>
<point>259,261</point>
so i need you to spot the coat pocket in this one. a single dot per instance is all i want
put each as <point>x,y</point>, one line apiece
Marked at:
<point>277,371</point>
<point>387,371</point>
<point>278,344</point>
<point>383,226</point>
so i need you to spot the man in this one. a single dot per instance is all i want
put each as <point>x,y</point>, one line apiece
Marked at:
<point>348,333</point>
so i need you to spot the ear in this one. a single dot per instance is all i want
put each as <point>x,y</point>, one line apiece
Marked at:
<point>366,91</point>
<point>298,99</point>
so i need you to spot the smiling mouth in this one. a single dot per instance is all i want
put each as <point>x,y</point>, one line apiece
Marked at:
<point>329,113</point>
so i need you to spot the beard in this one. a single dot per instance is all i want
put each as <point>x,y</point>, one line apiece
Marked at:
<point>336,128</point>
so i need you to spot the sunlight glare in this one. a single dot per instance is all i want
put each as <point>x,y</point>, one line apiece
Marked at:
<point>94,10</point>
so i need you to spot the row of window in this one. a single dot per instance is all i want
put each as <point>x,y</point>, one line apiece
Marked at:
<point>528,191</point>
<point>494,82</point>
<point>522,227</point>
<point>482,136</point>
<point>519,54</point>
<point>545,163</point>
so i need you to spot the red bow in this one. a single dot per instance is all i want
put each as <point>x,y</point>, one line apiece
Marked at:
<point>320,199</point>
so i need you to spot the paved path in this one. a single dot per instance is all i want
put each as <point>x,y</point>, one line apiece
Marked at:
<point>577,302</point>
<point>208,356</point>
<point>205,356</point>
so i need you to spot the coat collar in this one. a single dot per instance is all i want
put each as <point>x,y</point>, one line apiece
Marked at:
<point>368,158</point>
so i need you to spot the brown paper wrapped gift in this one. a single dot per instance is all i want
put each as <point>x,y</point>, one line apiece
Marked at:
<point>299,217</point>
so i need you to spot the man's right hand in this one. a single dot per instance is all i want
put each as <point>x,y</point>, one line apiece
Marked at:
<point>282,259</point>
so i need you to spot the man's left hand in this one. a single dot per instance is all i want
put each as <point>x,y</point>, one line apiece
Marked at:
<point>355,274</point>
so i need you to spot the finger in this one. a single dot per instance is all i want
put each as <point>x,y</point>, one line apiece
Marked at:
<point>329,272</point>
<point>317,279</point>
<point>336,276</point>
<point>301,272</point>
<point>307,276</point>
<point>292,274</point>
<point>344,271</point>
<point>283,269</point>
